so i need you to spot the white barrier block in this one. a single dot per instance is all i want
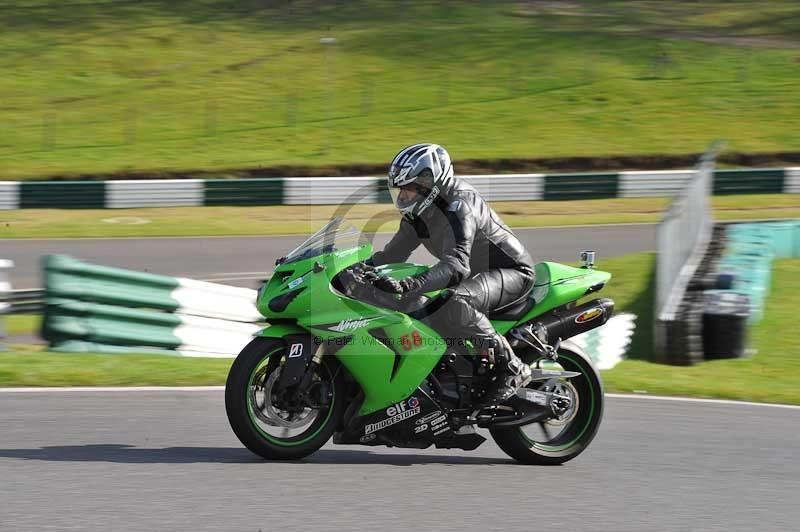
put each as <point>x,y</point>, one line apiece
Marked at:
<point>331,190</point>
<point>607,345</point>
<point>213,300</point>
<point>213,338</point>
<point>9,195</point>
<point>791,180</point>
<point>154,193</point>
<point>505,187</point>
<point>653,184</point>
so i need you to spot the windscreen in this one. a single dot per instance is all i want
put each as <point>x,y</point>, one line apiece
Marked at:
<point>336,235</point>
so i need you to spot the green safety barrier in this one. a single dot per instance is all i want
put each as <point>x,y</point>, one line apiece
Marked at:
<point>267,191</point>
<point>106,324</point>
<point>62,194</point>
<point>91,308</point>
<point>755,181</point>
<point>748,254</point>
<point>69,278</point>
<point>580,186</point>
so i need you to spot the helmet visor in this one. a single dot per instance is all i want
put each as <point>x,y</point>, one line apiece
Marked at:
<point>404,197</point>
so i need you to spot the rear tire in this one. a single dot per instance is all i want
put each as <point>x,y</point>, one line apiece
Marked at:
<point>247,374</point>
<point>580,431</point>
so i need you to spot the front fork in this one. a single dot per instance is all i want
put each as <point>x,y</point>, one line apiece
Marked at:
<point>296,388</point>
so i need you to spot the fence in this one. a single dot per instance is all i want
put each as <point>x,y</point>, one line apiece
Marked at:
<point>682,239</point>
<point>338,190</point>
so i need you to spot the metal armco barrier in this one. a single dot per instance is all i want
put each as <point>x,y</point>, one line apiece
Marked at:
<point>327,191</point>
<point>25,301</point>
<point>156,193</point>
<point>792,183</point>
<point>9,195</point>
<point>91,308</point>
<point>682,239</point>
<point>339,190</point>
<point>653,184</point>
<point>505,187</point>
<point>5,290</point>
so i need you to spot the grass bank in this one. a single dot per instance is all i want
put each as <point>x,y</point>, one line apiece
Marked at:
<point>771,375</point>
<point>222,84</point>
<point>286,219</point>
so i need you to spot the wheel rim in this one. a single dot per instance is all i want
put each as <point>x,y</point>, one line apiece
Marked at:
<point>279,426</point>
<point>566,430</point>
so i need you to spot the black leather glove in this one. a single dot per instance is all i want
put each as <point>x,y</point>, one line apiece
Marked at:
<point>389,285</point>
<point>364,266</point>
<point>411,284</point>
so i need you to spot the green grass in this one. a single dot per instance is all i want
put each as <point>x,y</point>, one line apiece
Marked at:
<point>216,84</point>
<point>21,323</point>
<point>772,375</point>
<point>228,221</point>
<point>30,366</point>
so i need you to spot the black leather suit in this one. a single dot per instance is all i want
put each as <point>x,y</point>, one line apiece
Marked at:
<point>481,261</point>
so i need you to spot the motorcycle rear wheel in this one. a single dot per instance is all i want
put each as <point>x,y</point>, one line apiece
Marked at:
<point>261,426</point>
<point>576,427</point>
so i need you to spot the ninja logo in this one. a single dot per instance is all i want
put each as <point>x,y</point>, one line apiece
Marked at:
<point>346,325</point>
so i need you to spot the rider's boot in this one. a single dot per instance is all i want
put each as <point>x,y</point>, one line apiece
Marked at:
<point>511,373</point>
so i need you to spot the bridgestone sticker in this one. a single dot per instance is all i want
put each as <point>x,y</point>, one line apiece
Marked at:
<point>402,416</point>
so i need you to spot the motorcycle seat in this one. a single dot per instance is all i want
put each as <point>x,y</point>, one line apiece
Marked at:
<point>513,312</point>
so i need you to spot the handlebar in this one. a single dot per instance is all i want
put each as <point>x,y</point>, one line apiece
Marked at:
<point>358,281</point>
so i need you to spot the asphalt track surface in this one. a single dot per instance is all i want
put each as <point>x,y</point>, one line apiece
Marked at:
<point>167,460</point>
<point>243,261</point>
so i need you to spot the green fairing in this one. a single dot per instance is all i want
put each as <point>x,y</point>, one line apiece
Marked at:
<point>353,326</point>
<point>371,362</point>
<point>557,284</point>
<point>279,330</point>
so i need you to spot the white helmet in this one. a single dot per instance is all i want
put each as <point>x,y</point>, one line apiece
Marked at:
<point>428,167</point>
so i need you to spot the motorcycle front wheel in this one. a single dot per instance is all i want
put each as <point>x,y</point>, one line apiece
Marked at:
<point>262,426</point>
<point>564,437</point>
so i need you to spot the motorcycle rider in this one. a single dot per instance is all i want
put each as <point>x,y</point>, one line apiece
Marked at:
<point>482,264</point>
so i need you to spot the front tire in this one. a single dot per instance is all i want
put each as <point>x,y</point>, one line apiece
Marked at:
<point>577,427</point>
<point>261,426</point>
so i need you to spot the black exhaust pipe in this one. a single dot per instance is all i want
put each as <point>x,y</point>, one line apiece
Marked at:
<point>568,322</point>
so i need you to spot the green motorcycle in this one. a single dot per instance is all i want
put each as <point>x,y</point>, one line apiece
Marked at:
<point>342,358</point>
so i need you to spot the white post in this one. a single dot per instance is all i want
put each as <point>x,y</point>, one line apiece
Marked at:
<point>5,292</point>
